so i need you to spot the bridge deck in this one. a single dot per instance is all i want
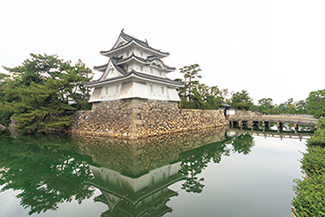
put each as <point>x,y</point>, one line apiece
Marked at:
<point>294,119</point>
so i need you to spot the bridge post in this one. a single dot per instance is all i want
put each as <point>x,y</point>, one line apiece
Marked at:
<point>280,126</point>
<point>296,128</point>
<point>266,124</point>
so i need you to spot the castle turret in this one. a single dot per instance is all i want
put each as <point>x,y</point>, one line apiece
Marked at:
<point>134,70</point>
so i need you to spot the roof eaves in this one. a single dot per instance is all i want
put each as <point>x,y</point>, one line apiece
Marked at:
<point>152,77</point>
<point>101,68</point>
<point>138,74</point>
<point>119,68</point>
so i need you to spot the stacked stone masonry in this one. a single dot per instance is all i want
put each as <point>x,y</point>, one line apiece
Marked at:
<point>138,118</point>
<point>135,157</point>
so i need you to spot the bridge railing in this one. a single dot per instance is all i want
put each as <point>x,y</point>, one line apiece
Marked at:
<point>284,118</point>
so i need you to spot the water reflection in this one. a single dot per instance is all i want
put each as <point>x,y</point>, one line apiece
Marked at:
<point>45,170</point>
<point>133,176</point>
<point>303,133</point>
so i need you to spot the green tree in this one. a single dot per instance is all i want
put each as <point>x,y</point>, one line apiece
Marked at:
<point>196,95</point>
<point>301,107</point>
<point>241,100</point>
<point>43,92</point>
<point>265,106</point>
<point>190,73</point>
<point>316,103</point>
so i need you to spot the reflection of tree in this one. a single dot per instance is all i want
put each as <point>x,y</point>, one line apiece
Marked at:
<point>45,170</point>
<point>242,143</point>
<point>196,160</point>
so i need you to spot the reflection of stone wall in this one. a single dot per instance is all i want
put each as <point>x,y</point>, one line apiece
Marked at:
<point>137,118</point>
<point>136,157</point>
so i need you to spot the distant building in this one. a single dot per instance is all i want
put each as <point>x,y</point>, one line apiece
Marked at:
<point>134,70</point>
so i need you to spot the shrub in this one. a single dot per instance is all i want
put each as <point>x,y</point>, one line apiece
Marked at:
<point>313,162</point>
<point>318,139</point>
<point>310,197</point>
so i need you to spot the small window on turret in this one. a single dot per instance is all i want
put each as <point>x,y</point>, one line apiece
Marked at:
<point>159,73</point>
<point>141,68</point>
<point>127,53</point>
<point>141,54</point>
<point>162,90</point>
<point>106,90</point>
<point>151,71</point>
<point>151,88</point>
<point>116,88</point>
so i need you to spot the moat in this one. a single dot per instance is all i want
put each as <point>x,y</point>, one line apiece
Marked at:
<point>220,172</point>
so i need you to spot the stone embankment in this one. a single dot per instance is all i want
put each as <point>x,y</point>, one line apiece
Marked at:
<point>133,157</point>
<point>136,118</point>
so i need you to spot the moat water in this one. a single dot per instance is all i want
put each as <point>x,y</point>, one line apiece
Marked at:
<point>221,172</point>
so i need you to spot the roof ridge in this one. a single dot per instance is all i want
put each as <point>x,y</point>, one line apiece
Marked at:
<point>130,38</point>
<point>146,60</point>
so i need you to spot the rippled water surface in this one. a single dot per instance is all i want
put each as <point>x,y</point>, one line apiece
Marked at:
<point>212,173</point>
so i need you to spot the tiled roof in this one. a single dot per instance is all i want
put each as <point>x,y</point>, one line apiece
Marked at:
<point>149,59</point>
<point>129,39</point>
<point>140,75</point>
<point>101,68</point>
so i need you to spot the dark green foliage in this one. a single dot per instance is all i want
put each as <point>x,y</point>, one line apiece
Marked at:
<point>309,199</point>
<point>40,92</point>
<point>321,124</point>
<point>266,106</point>
<point>319,136</point>
<point>313,162</point>
<point>318,139</point>
<point>316,103</point>
<point>45,170</point>
<point>195,95</point>
<point>241,101</point>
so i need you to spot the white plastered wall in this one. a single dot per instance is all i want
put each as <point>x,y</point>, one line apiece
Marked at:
<point>173,95</point>
<point>133,90</point>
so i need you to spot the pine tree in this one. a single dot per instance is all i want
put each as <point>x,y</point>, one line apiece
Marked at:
<point>43,92</point>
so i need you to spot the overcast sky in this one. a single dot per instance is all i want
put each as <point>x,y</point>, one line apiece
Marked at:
<point>273,49</point>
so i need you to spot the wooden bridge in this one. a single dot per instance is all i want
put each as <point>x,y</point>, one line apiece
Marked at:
<point>251,119</point>
<point>274,133</point>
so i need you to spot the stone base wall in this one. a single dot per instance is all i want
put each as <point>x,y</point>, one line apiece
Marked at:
<point>138,118</point>
<point>136,157</point>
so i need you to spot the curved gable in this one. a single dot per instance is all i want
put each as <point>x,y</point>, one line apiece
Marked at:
<point>110,72</point>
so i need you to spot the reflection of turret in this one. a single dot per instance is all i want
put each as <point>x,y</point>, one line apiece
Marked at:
<point>134,175</point>
<point>140,196</point>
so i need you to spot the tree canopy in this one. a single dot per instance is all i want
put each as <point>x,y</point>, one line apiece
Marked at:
<point>241,100</point>
<point>42,93</point>
<point>196,95</point>
<point>316,103</point>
